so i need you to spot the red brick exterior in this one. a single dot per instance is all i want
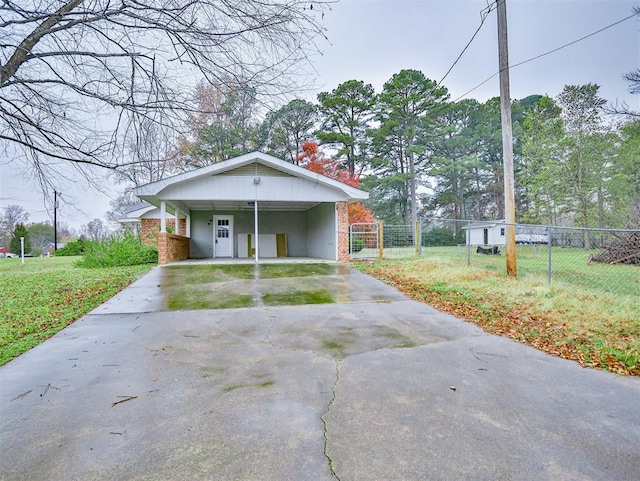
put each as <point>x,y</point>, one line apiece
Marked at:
<point>172,248</point>
<point>342,211</point>
<point>150,228</point>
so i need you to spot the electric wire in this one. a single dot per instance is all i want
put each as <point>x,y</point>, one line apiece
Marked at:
<point>547,53</point>
<point>484,13</point>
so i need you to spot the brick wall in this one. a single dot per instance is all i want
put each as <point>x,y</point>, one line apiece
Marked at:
<point>342,210</point>
<point>172,247</point>
<point>150,228</point>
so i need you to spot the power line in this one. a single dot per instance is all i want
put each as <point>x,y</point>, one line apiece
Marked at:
<point>547,53</point>
<point>484,13</point>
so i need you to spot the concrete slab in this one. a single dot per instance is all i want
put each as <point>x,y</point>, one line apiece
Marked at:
<point>144,295</point>
<point>377,390</point>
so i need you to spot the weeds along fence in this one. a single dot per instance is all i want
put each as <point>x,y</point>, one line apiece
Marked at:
<point>552,253</point>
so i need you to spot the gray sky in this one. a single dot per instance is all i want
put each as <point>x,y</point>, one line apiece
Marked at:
<point>371,40</point>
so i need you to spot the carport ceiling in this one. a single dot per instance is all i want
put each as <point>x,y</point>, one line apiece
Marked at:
<point>248,205</point>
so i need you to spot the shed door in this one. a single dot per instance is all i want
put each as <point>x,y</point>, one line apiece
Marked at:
<point>223,236</point>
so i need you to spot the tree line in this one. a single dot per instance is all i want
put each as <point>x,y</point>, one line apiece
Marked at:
<point>14,224</point>
<point>574,164</point>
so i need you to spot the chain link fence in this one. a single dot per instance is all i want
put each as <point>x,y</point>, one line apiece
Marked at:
<point>589,256</point>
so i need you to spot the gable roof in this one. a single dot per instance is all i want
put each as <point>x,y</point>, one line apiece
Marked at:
<point>149,191</point>
<point>135,212</point>
<point>484,224</point>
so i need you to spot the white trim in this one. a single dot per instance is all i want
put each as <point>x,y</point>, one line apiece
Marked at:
<point>163,216</point>
<point>336,219</point>
<point>155,188</point>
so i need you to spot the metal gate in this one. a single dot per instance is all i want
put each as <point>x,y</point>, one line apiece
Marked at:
<point>363,241</point>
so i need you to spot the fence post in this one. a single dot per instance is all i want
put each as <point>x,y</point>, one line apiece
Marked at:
<point>381,238</point>
<point>549,250</point>
<point>469,244</point>
<point>416,236</point>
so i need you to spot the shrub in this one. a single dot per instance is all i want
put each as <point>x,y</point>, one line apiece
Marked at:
<point>118,250</point>
<point>75,248</point>
<point>357,244</point>
<point>442,236</point>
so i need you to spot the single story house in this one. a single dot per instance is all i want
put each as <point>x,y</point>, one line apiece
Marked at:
<point>49,249</point>
<point>250,206</point>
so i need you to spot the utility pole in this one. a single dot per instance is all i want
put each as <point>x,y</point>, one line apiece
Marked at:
<point>55,221</point>
<point>507,141</point>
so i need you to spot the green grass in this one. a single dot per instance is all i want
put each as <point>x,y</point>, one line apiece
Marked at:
<point>589,313</point>
<point>213,273</point>
<point>204,286</point>
<point>201,299</point>
<point>298,298</point>
<point>46,294</point>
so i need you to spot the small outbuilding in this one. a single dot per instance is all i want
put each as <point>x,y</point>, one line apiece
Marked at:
<point>486,233</point>
<point>492,233</point>
<point>251,206</point>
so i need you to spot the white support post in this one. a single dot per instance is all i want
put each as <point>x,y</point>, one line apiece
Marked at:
<point>163,216</point>
<point>22,248</point>
<point>176,229</point>
<point>188,222</point>
<point>255,235</point>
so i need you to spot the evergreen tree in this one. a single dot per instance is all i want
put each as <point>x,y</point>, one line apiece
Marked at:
<point>346,114</point>
<point>285,130</point>
<point>405,114</point>
<point>20,231</point>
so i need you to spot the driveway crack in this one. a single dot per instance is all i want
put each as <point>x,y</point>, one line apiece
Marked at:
<point>324,421</point>
<point>272,323</point>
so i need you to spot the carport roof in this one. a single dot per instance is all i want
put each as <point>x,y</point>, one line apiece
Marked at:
<point>151,192</point>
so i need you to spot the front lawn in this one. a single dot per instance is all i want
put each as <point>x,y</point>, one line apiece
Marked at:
<point>44,295</point>
<point>593,319</point>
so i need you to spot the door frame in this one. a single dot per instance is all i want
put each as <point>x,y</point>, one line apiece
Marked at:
<point>215,234</point>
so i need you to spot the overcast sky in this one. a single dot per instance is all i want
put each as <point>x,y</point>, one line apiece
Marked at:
<point>371,40</point>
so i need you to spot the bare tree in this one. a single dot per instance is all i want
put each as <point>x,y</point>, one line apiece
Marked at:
<point>151,153</point>
<point>81,79</point>
<point>95,230</point>
<point>634,81</point>
<point>12,216</point>
<point>633,78</point>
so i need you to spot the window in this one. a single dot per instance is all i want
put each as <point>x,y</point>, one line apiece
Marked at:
<point>502,231</point>
<point>223,228</point>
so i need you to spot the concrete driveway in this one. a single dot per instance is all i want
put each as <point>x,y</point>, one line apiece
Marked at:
<point>380,388</point>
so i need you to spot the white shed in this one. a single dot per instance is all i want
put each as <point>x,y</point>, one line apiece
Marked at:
<point>486,233</point>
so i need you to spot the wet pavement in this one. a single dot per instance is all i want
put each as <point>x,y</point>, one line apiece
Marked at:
<point>371,387</point>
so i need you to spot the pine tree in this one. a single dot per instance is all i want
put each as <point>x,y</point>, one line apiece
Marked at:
<point>14,246</point>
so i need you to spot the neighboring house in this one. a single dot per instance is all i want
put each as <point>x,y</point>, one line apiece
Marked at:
<point>50,249</point>
<point>485,233</point>
<point>254,205</point>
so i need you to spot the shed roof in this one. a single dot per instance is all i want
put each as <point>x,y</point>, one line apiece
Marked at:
<point>484,224</point>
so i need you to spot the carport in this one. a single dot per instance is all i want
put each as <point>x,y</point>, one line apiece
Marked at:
<point>252,206</point>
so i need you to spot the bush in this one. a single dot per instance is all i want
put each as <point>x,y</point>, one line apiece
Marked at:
<point>442,236</point>
<point>122,250</point>
<point>75,248</point>
<point>357,244</point>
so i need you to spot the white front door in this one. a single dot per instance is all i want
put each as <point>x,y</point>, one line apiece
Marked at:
<point>223,236</point>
